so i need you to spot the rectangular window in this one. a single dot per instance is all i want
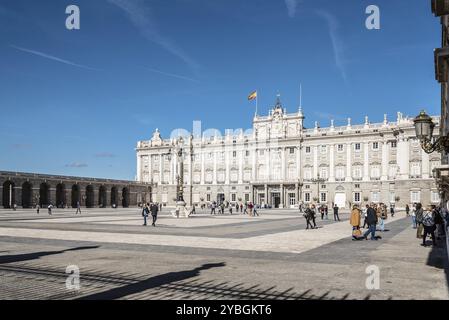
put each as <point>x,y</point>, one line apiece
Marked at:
<point>208,197</point>
<point>292,150</point>
<point>357,147</point>
<point>435,197</point>
<point>234,154</point>
<point>394,144</point>
<point>357,197</point>
<point>307,197</point>
<point>375,145</point>
<point>292,199</point>
<point>307,149</point>
<point>247,153</point>
<point>415,196</point>
<point>323,197</point>
<point>323,149</point>
<point>233,197</point>
<point>246,197</point>
<point>340,148</point>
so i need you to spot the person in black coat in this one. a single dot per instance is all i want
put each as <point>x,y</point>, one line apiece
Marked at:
<point>371,220</point>
<point>154,210</point>
<point>336,217</point>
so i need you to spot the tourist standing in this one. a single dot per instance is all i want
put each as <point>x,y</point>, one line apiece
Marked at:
<point>371,220</point>
<point>413,215</point>
<point>313,215</point>
<point>78,207</point>
<point>308,213</point>
<point>365,214</point>
<point>336,217</point>
<point>428,222</point>
<point>50,206</point>
<point>407,210</point>
<point>212,208</point>
<point>419,220</point>
<point>355,223</point>
<point>145,213</point>
<point>392,210</point>
<point>154,209</point>
<point>38,208</point>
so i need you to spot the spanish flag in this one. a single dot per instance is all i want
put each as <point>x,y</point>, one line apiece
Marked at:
<point>252,96</point>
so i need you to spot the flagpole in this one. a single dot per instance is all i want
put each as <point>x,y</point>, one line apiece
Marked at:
<point>257,102</point>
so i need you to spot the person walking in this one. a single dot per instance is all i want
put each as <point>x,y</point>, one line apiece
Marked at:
<point>154,209</point>
<point>38,208</point>
<point>413,215</point>
<point>371,220</point>
<point>336,217</point>
<point>321,210</point>
<point>255,212</point>
<point>145,213</point>
<point>313,215</point>
<point>326,212</point>
<point>50,206</point>
<point>392,210</point>
<point>428,222</point>
<point>78,207</point>
<point>419,220</point>
<point>407,210</point>
<point>212,208</point>
<point>355,223</point>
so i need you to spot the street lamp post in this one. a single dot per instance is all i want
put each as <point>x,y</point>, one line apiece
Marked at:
<point>424,127</point>
<point>318,180</point>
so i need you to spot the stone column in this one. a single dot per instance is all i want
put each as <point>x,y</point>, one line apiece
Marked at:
<point>139,168</point>
<point>283,175</point>
<point>404,158</point>
<point>242,154</point>
<point>425,164</point>
<point>315,162</point>
<point>384,161</point>
<point>282,204</point>
<point>266,195</point>
<point>297,192</point>
<point>268,163</point>
<point>228,155</point>
<point>348,162</point>
<point>298,163</point>
<point>215,168</point>
<point>254,169</point>
<point>161,173</point>
<point>202,168</point>
<point>150,168</point>
<point>366,173</point>
<point>331,163</point>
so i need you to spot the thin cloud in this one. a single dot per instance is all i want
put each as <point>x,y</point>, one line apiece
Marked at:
<point>21,146</point>
<point>292,6</point>
<point>337,43</point>
<point>76,165</point>
<point>53,58</point>
<point>105,155</point>
<point>173,75</point>
<point>140,15</point>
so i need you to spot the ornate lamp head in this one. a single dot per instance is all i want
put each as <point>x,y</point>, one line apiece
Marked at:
<point>424,126</point>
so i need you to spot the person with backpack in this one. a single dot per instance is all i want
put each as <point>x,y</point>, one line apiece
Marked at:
<point>428,222</point>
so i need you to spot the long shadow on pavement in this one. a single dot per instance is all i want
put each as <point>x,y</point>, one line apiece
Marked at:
<point>38,255</point>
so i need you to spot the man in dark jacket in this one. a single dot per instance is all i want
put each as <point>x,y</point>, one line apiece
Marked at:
<point>336,217</point>
<point>371,220</point>
<point>154,209</point>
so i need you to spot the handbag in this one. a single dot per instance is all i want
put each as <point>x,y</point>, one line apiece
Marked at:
<point>357,233</point>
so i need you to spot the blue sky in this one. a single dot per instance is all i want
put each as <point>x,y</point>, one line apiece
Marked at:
<point>75,102</point>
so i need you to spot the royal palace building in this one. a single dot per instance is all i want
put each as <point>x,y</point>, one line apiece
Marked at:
<point>281,163</point>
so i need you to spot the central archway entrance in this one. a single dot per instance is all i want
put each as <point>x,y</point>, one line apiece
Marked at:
<point>60,196</point>
<point>102,200</point>
<point>125,197</point>
<point>9,194</point>
<point>75,195</point>
<point>89,196</point>
<point>27,195</point>
<point>44,194</point>
<point>114,196</point>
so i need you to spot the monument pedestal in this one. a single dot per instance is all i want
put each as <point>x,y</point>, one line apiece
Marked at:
<point>181,210</point>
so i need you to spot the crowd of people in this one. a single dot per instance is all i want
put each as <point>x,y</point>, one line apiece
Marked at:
<point>249,208</point>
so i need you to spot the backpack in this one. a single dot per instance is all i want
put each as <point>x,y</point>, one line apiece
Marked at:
<point>428,219</point>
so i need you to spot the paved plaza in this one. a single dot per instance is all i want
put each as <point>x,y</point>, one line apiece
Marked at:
<point>211,257</point>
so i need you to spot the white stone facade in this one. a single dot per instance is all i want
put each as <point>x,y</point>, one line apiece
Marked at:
<point>281,163</point>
